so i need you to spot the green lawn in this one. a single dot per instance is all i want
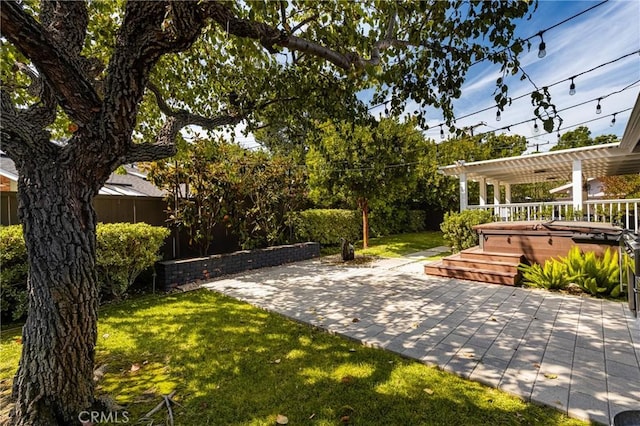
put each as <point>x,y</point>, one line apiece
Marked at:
<point>232,364</point>
<point>401,244</point>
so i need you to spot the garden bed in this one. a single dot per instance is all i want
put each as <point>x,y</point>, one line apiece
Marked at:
<point>173,273</point>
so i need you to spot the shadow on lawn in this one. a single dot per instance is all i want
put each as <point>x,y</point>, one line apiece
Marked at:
<point>233,364</point>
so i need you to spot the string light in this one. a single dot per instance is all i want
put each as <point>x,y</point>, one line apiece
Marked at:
<point>572,87</point>
<point>498,116</point>
<point>441,132</point>
<point>542,48</point>
<point>536,129</point>
<point>613,120</point>
<point>526,94</point>
<point>598,107</point>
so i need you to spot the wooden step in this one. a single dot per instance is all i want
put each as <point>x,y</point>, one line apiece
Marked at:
<point>482,262</point>
<point>472,274</point>
<point>478,254</point>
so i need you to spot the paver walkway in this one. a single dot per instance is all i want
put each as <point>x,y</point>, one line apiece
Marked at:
<point>578,354</point>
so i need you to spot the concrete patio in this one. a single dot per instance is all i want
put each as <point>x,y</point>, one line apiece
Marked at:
<point>578,354</point>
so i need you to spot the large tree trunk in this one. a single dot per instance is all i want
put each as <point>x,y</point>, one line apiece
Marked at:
<point>54,382</point>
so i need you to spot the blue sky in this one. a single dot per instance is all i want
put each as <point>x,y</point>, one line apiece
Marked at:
<point>603,34</point>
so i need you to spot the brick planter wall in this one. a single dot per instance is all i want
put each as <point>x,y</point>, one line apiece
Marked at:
<point>173,273</point>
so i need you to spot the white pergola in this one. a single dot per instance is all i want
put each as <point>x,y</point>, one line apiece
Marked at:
<point>575,165</point>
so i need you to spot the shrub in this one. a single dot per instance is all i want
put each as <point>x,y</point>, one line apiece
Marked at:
<point>598,276</point>
<point>553,276</point>
<point>13,272</point>
<point>327,226</point>
<point>457,228</point>
<point>124,250</point>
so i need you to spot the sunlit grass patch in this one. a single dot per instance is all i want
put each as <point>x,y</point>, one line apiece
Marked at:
<point>233,364</point>
<point>401,244</point>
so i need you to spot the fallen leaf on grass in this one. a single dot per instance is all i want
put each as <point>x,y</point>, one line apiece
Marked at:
<point>428,391</point>
<point>344,419</point>
<point>346,379</point>
<point>282,420</point>
<point>550,376</point>
<point>312,416</point>
<point>275,361</point>
<point>135,367</point>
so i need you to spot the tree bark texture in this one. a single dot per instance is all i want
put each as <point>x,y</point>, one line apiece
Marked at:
<point>54,381</point>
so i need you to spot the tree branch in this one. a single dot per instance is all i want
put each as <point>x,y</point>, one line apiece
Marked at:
<point>185,118</point>
<point>42,113</point>
<point>66,23</point>
<point>149,152</point>
<point>270,36</point>
<point>304,22</point>
<point>20,134</point>
<point>74,92</point>
<point>176,120</point>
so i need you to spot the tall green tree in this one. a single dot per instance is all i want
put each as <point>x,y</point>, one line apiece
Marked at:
<point>581,136</point>
<point>88,86</point>
<point>436,191</point>
<point>365,163</point>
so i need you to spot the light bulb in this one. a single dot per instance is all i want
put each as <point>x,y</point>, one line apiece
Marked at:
<point>498,117</point>
<point>572,88</point>
<point>613,120</point>
<point>598,107</point>
<point>441,133</point>
<point>535,126</point>
<point>542,50</point>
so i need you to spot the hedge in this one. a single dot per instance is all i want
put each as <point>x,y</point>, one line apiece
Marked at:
<point>327,226</point>
<point>13,272</point>
<point>389,220</point>
<point>123,251</point>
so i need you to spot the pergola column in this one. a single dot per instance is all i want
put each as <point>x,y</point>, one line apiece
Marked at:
<point>507,193</point>
<point>464,195</point>
<point>496,193</point>
<point>577,185</point>
<point>483,191</point>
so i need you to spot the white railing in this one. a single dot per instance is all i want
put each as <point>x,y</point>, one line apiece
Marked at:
<point>624,213</point>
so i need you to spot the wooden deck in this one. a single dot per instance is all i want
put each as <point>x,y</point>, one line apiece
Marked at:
<point>504,245</point>
<point>476,265</point>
